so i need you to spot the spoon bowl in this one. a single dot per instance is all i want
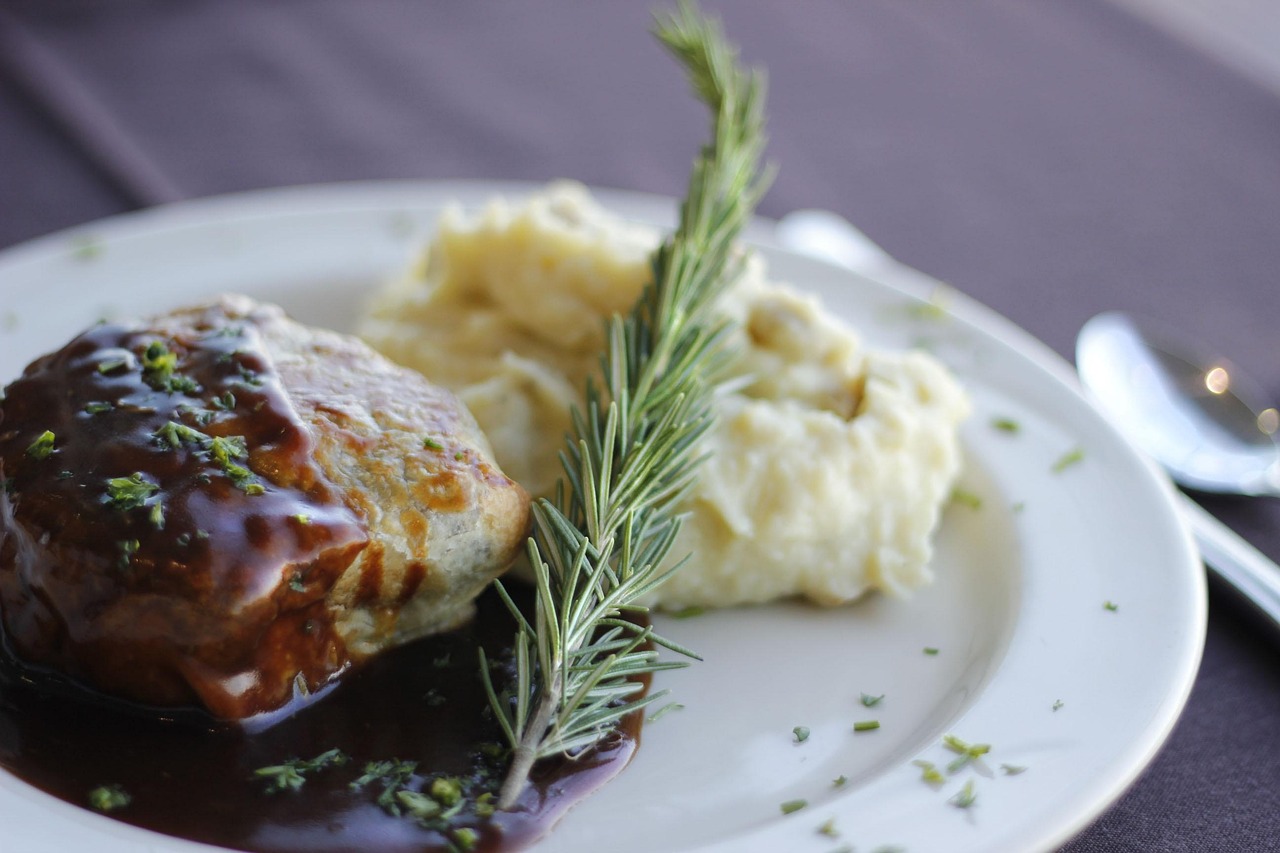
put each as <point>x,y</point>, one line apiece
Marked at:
<point>1193,412</point>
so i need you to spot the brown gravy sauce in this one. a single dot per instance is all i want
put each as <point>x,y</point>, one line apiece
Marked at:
<point>193,777</point>
<point>173,591</point>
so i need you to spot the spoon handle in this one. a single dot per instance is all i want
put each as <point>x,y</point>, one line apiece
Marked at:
<point>1234,560</point>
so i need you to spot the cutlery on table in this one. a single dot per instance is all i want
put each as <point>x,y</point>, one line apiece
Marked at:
<point>1198,417</point>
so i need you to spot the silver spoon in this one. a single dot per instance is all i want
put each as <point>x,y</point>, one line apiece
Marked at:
<point>1193,413</point>
<point>1212,441</point>
<point>1201,419</point>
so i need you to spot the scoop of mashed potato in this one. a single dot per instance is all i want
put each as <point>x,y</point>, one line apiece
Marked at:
<point>829,462</point>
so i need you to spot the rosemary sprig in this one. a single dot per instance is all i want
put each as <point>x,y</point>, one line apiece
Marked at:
<point>599,546</point>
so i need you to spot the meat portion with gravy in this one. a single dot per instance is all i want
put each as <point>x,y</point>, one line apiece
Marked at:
<point>222,507</point>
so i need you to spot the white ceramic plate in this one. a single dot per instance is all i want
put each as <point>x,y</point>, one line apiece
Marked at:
<point>1030,660</point>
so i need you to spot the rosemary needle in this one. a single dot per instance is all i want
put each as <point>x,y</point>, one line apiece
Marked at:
<point>600,545</point>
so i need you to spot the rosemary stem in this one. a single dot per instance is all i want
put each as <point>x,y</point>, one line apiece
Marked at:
<point>601,544</point>
<point>526,752</point>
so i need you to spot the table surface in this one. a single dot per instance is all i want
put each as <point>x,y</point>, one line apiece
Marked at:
<point>1051,159</point>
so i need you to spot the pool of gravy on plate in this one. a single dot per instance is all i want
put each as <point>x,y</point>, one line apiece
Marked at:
<point>190,776</point>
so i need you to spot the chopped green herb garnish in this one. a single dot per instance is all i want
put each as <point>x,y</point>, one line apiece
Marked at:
<point>484,805</point>
<point>446,790</point>
<point>966,796</point>
<point>828,828</point>
<point>381,771</point>
<point>157,515</point>
<point>222,451</point>
<point>792,806</point>
<point>459,456</point>
<point>931,651</point>
<point>1013,769</point>
<point>42,447</point>
<point>466,838</point>
<point>866,725</point>
<point>839,781</point>
<point>226,402</point>
<point>111,365</point>
<point>175,434</point>
<point>1019,506</point>
<point>128,547</point>
<point>302,518</point>
<point>1111,606</point>
<point>393,776</point>
<point>109,798</point>
<point>157,357</point>
<point>249,377</point>
<point>966,498</point>
<point>225,448</point>
<point>801,733</point>
<point>85,247</point>
<point>430,443</point>
<point>1006,424</point>
<point>202,416</point>
<point>291,775</point>
<point>297,582</point>
<point>179,384</point>
<point>929,773</point>
<point>159,366</point>
<point>126,493</point>
<point>955,744</point>
<point>97,408</point>
<point>1066,460</point>
<point>967,752</point>
<point>931,310</point>
<point>870,701</point>
<point>236,472</point>
<point>418,805</point>
<point>1058,703</point>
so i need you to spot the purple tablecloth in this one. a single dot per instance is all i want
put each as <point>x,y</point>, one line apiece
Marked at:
<point>1052,159</point>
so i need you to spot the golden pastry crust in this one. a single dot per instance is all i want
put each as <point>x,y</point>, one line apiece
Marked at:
<point>443,519</point>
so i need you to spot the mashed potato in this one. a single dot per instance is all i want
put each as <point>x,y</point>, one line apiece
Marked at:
<point>829,462</point>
